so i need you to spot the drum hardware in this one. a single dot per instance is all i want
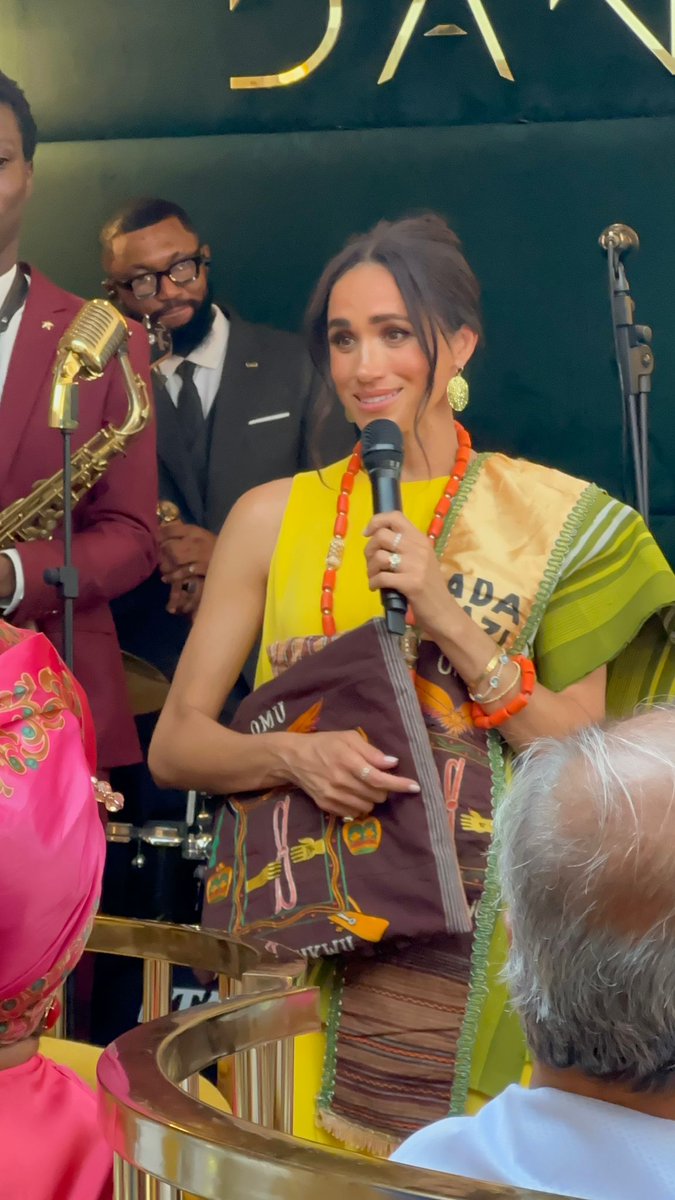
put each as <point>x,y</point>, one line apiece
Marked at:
<point>138,861</point>
<point>165,866</point>
<point>119,832</point>
<point>199,828</point>
<point>160,836</point>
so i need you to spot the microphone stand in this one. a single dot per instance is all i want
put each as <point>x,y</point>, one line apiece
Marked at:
<point>66,577</point>
<point>635,360</point>
<point>64,415</point>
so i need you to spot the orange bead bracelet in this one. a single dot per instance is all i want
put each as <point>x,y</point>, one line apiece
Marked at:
<point>483,720</point>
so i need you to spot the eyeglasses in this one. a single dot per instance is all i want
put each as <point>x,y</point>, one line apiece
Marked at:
<point>144,287</point>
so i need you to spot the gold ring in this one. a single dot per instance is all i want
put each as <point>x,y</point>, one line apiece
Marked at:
<point>394,561</point>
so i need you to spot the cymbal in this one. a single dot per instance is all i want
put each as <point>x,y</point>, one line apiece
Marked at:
<point>147,686</point>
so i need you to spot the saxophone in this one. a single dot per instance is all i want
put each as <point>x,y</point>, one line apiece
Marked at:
<point>38,515</point>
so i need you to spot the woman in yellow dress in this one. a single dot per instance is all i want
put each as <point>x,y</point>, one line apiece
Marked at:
<point>495,557</point>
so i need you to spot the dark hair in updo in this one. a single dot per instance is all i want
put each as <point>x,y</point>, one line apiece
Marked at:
<point>439,289</point>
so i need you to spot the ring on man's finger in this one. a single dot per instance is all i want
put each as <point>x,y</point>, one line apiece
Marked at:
<point>365,772</point>
<point>394,561</point>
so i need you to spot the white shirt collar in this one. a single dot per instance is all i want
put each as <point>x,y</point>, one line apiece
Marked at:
<point>6,282</point>
<point>209,353</point>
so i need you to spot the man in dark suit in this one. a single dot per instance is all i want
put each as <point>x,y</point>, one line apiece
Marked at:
<point>233,401</point>
<point>113,542</point>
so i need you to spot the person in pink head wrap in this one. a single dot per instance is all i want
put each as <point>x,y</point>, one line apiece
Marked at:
<point>52,850</point>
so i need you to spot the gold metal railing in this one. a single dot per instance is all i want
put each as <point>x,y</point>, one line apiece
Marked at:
<point>166,1143</point>
<point>263,1077</point>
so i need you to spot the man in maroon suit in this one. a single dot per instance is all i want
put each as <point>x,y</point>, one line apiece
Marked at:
<point>114,524</point>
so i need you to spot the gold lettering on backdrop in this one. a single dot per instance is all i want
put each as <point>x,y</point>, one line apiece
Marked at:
<point>445,31</point>
<point>401,40</point>
<point>303,69</point>
<point>480,16</point>
<point>641,31</point>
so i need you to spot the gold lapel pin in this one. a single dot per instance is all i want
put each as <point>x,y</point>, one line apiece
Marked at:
<point>251,364</point>
<point>47,324</point>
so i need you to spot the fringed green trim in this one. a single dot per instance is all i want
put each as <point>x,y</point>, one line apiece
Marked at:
<point>551,577</point>
<point>336,985</point>
<point>488,911</point>
<point>460,499</point>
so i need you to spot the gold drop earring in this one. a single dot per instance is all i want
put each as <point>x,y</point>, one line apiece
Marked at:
<point>458,392</point>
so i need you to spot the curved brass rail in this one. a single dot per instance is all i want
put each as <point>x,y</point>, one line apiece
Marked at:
<point>261,1086</point>
<point>157,1129</point>
<point>195,947</point>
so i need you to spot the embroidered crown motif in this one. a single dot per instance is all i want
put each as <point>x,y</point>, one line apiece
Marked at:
<point>218,886</point>
<point>362,837</point>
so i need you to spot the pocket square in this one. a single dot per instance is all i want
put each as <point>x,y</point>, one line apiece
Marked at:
<point>270,417</point>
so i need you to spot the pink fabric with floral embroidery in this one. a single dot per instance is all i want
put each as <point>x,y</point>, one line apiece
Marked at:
<point>52,844</point>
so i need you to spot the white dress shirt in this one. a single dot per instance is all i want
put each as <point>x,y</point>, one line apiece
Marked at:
<point>7,340</point>
<point>209,360</point>
<point>553,1141</point>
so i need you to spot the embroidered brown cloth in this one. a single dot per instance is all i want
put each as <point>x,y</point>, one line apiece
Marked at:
<point>281,868</point>
<point>400,887</point>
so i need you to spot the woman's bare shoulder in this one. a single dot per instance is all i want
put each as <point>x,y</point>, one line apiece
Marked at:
<point>262,506</point>
<point>251,530</point>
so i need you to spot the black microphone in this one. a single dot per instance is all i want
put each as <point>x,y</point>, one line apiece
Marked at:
<point>382,453</point>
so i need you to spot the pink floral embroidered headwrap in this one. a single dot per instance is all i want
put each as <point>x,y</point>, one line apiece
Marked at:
<point>52,844</point>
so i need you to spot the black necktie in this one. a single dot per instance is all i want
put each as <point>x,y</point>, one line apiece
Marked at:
<point>193,424</point>
<point>189,405</point>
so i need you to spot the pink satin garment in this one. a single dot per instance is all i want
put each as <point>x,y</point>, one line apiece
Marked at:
<point>51,1146</point>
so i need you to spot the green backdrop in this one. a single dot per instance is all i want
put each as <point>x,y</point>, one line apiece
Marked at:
<point>134,97</point>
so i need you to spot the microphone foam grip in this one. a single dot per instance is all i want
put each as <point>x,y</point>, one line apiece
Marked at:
<point>95,335</point>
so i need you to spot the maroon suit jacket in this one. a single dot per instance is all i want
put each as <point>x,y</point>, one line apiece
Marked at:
<point>114,524</point>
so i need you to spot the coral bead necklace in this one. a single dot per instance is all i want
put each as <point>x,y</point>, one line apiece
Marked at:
<point>337,543</point>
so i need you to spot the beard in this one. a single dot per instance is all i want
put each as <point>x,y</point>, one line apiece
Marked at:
<point>187,337</point>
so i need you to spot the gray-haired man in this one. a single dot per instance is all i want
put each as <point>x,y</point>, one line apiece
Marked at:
<point>586,840</point>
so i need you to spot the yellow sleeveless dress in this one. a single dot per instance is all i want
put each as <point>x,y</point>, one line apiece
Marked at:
<point>293,609</point>
<point>293,605</point>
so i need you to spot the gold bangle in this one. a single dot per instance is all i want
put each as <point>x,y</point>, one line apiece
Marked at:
<point>499,660</point>
<point>493,699</point>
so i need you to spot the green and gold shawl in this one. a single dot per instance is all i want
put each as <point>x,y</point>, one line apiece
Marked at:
<point>552,566</point>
